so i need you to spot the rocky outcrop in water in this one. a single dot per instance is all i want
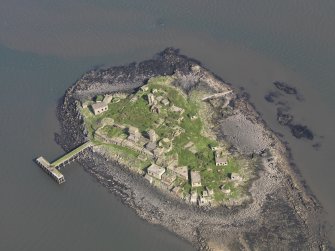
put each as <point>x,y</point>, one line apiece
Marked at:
<point>287,89</point>
<point>301,131</point>
<point>284,116</point>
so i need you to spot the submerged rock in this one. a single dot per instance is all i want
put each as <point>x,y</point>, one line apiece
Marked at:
<point>271,96</point>
<point>283,117</point>
<point>301,131</point>
<point>282,86</point>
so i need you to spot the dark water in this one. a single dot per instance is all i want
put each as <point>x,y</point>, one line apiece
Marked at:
<point>46,45</point>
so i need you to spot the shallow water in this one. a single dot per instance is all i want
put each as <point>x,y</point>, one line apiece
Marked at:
<point>46,45</point>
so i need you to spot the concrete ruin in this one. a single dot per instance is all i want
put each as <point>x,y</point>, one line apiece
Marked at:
<point>156,171</point>
<point>134,134</point>
<point>195,179</point>
<point>99,108</point>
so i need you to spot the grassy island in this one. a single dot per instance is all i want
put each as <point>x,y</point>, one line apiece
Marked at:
<point>164,134</point>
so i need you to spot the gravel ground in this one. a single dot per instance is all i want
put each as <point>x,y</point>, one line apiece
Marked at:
<point>245,135</point>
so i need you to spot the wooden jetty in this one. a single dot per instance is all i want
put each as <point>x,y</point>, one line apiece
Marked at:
<point>53,168</point>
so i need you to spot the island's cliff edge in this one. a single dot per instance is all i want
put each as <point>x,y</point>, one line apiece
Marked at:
<point>282,213</point>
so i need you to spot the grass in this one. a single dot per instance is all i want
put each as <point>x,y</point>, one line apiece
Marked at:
<point>99,98</point>
<point>128,155</point>
<point>123,150</point>
<point>112,131</point>
<point>138,114</point>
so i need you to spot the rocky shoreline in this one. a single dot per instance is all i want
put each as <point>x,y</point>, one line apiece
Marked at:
<point>282,212</point>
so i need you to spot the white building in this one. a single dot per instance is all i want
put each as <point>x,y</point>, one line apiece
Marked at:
<point>194,197</point>
<point>144,88</point>
<point>180,171</point>
<point>99,108</point>
<point>195,179</point>
<point>235,177</point>
<point>134,133</point>
<point>152,135</point>
<point>156,171</point>
<point>165,102</point>
<point>221,161</point>
<point>151,99</point>
<point>107,99</point>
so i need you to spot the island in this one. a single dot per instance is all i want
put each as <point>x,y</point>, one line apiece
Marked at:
<point>188,151</point>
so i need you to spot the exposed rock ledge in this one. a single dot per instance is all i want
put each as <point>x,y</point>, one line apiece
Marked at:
<point>282,213</point>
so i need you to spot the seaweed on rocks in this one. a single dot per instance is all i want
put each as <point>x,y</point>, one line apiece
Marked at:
<point>283,117</point>
<point>301,131</point>
<point>271,96</point>
<point>316,146</point>
<point>286,88</point>
<point>282,86</point>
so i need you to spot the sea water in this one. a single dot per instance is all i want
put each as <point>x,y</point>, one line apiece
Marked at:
<point>46,45</point>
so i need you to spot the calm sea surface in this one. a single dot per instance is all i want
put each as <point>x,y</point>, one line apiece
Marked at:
<point>46,45</point>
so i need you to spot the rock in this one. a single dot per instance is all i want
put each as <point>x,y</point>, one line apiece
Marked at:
<point>282,86</point>
<point>300,131</point>
<point>270,97</point>
<point>316,146</point>
<point>283,117</point>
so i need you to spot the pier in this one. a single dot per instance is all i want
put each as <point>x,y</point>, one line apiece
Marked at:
<point>217,95</point>
<point>53,168</point>
<point>53,172</point>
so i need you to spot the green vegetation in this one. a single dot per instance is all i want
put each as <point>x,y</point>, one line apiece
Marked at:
<point>135,114</point>
<point>128,156</point>
<point>99,98</point>
<point>112,131</point>
<point>70,154</point>
<point>178,120</point>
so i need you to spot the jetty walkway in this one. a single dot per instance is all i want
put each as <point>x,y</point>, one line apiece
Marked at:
<point>217,95</point>
<point>53,168</point>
